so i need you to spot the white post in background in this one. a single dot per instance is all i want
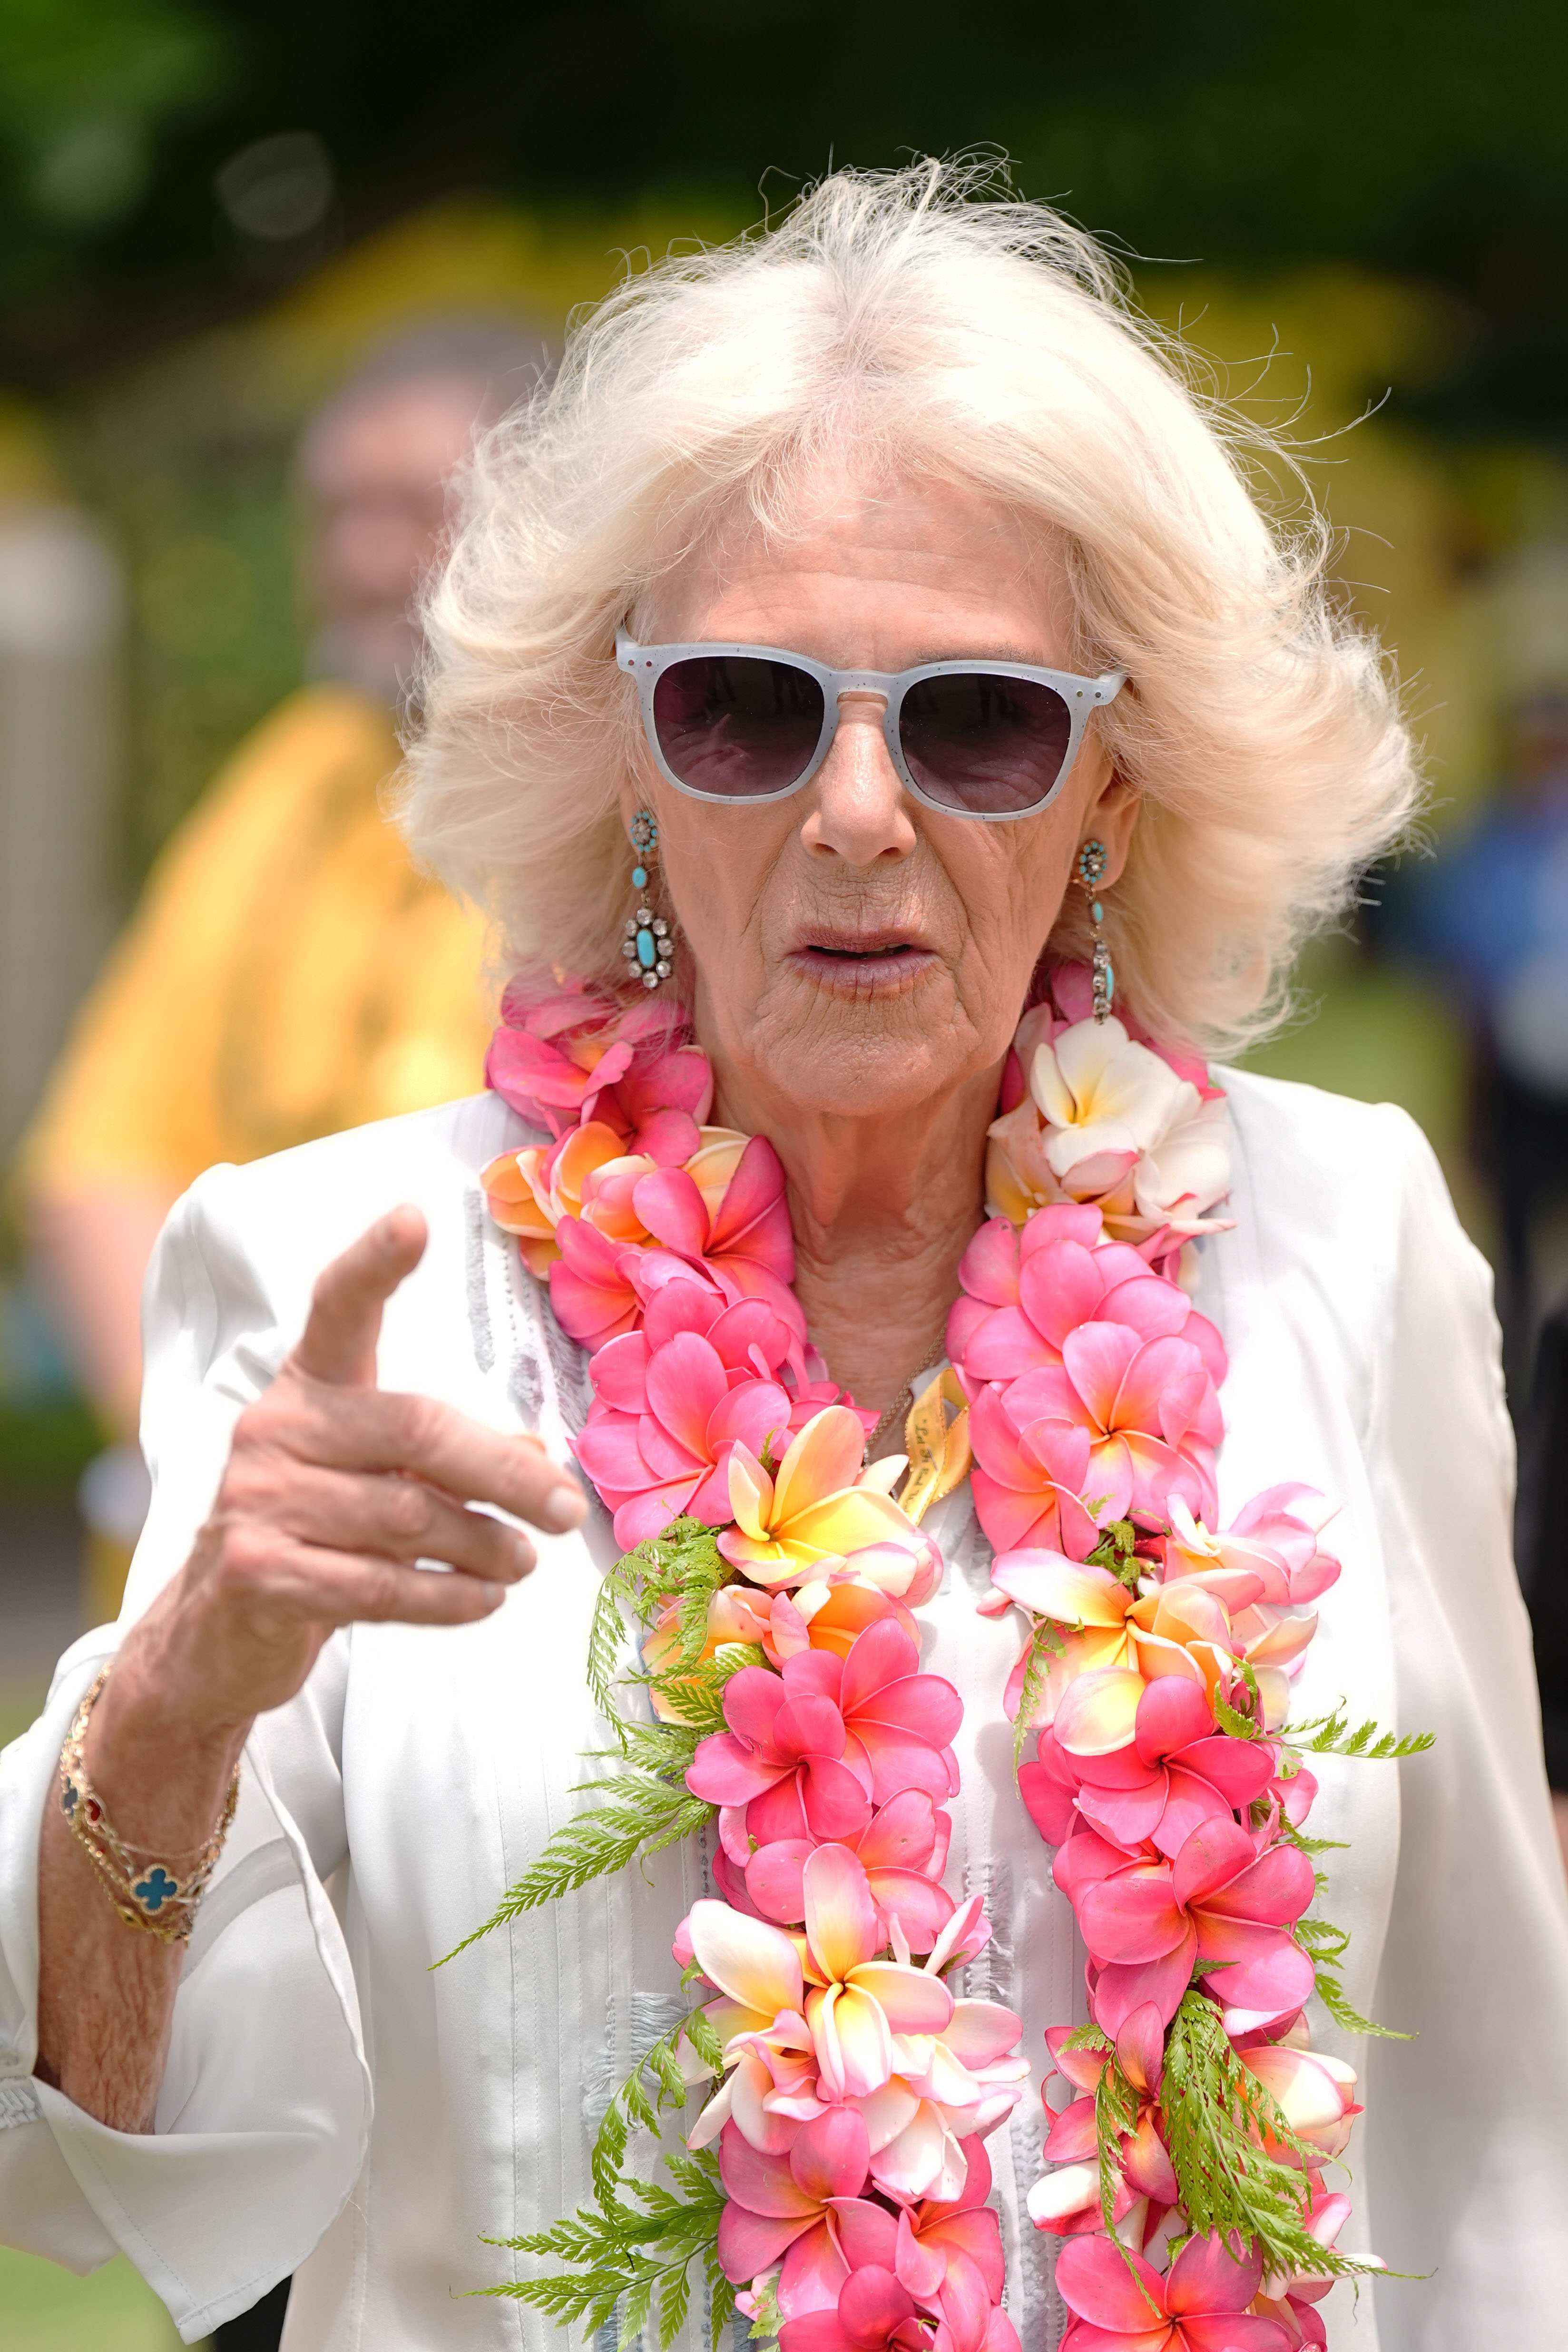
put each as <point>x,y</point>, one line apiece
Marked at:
<point>62,611</point>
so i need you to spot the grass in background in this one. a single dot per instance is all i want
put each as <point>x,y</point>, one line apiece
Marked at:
<point>46,2309</point>
<point>1374,1032</point>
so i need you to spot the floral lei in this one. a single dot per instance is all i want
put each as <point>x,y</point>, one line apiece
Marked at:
<point>834,2186</point>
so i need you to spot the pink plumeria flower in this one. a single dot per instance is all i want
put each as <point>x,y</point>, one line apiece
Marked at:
<point>671,1456</point>
<point>925,2071</point>
<point>1024,1292</point>
<point>1176,1772</point>
<point>563,1057</point>
<point>720,1224</point>
<point>776,2202</point>
<point>1314,2092</point>
<point>902,1849</point>
<point>1067,2203</point>
<point>885,2284</point>
<point>1273,1633</point>
<point>809,1750</point>
<point>588,1173</point>
<point>725,1212</point>
<point>1149,1408</point>
<point>1146,1922</point>
<point>1120,2304</point>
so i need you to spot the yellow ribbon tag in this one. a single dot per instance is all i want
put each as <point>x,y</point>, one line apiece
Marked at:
<point>938,1448</point>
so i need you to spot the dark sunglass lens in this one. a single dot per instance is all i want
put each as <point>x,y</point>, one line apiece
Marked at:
<point>736,726</point>
<point>984,745</point>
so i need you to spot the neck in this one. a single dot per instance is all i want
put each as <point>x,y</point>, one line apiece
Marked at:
<point>883,1209</point>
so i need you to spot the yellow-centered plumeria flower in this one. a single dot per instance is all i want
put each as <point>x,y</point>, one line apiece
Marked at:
<point>593,1178</point>
<point>818,1510</point>
<point>1107,1120</point>
<point>1125,1639</point>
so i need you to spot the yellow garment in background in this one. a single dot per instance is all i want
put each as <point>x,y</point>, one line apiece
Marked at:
<point>287,973</point>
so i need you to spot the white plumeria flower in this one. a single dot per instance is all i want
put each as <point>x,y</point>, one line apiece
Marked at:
<point>1100,1093</point>
<point>1191,1161</point>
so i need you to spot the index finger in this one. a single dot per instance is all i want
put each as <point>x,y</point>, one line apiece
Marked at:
<point>338,1343</point>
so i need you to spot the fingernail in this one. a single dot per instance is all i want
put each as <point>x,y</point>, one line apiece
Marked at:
<point>564,1507</point>
<point>494,1594</point>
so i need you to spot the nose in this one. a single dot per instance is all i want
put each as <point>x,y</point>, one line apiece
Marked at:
<point>859,811</point>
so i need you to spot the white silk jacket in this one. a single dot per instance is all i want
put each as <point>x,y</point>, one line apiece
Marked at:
<point>335,2108</point>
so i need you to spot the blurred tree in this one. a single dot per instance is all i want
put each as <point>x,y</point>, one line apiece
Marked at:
<point>1427,138</point>
<point>86,88</point>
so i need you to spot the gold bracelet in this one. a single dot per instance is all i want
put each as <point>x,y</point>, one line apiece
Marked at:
<point>147,1892</point>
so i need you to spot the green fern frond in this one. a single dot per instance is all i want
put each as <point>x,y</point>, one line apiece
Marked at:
<point>616,2256</point>
<point>1230,1719</point>
<point>1115,2112</point>
<point>1045,1644</point>
<point>769,2319</point>
<point>640,1811</point>
<point>1216,2116</point>
<point>1115,1551</point>
<point>1332,1735</point>
<point>638,1815</point>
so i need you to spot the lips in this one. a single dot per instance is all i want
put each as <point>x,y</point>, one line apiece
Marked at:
<point>857,960</point>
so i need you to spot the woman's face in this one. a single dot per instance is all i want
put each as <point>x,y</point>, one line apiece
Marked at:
<point>854,950</point>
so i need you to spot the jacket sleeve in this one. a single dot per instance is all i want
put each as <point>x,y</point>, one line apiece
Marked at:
<point>264,2110</point>
<point>1468,2129</point>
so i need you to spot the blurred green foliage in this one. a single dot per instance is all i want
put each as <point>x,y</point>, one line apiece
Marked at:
<point>45,2309</point>
<point>1420,137</point>
<point>86,87</point>
<point>45,1447</point>
<point>191,478</point>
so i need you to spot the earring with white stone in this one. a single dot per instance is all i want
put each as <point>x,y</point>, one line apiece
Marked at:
<point>646,945</point>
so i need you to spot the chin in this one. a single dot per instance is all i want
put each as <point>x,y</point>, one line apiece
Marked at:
<point>866,1046</point>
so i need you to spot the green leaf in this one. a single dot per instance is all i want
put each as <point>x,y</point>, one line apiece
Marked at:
<point>1216,2116</point>
<point>1327,1946</point>
<point>1240,1727</point>
<point>769,2320</point>
<point>638,1814</point>
<point>1115,2112</point>
<point>635,2250</point>
<point>1045,1644</point>
<point>1115,1551</point>
<point>1332,1735</point>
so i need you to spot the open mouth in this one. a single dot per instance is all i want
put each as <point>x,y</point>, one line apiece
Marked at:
<point>863,961</point>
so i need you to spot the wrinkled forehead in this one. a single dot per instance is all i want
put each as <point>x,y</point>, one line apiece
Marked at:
<point>849,529</point>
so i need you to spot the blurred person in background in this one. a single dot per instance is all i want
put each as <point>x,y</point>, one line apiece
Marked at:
<point>1490,913</point>
<point>287,973</point>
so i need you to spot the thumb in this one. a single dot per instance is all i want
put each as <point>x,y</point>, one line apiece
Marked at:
<point>338,1343</point>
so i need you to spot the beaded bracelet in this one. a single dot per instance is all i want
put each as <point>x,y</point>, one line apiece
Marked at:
<point>146,1892</point>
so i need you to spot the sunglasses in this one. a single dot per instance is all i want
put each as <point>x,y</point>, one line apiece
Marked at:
<point>992,741</point>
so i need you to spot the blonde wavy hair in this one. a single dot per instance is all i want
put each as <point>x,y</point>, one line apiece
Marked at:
<point>923,323</point>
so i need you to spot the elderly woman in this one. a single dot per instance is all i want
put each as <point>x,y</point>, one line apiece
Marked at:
<point>869,642</point>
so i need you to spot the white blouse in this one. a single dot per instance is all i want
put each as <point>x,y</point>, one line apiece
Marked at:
<point>335,2108</point>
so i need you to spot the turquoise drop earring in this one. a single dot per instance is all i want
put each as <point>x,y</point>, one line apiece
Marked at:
<point>647,944</point>
<point>1092,860</point>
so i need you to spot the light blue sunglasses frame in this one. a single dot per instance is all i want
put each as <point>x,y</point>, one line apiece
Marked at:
<point>647,665</point>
